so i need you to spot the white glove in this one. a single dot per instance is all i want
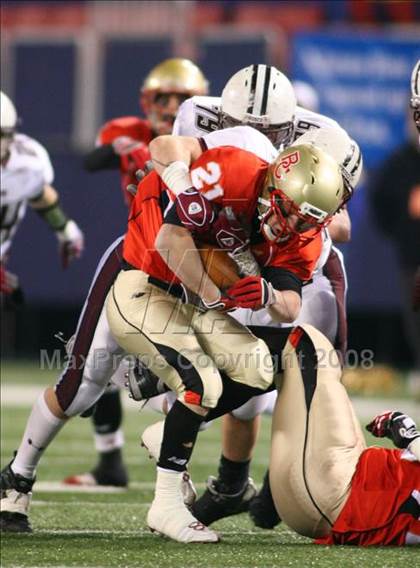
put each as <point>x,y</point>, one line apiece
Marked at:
<point>71,243</point>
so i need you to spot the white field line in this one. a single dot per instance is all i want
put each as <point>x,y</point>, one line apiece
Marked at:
<point>88,504</point>
<point>23,396</point>
<point>59,487</point>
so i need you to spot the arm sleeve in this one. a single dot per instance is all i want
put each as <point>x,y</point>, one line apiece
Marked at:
<point>282,279</point>
<point>101,158</point>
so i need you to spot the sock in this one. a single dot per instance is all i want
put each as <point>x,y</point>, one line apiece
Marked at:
<point>232,475</point>
<point>105,443</point>
<point>107,420</point>
<point>41,428</point>
<point>107,417</point>
<point>179,435</point>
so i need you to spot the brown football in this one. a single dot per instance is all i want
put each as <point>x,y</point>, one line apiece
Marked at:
<point>219,266</point>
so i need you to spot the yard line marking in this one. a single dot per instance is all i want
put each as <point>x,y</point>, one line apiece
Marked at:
<point>41,503</point>
<point>60,487</point>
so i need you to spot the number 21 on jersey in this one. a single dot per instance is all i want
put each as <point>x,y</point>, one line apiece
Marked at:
<point>208,176</point>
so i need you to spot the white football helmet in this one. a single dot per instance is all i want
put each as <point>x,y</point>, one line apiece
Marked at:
<point>262,97</point>
<point>8,123</point>
<point>415,94</point>
<point>345,151</point>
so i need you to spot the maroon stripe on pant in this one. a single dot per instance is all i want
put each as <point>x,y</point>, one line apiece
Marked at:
<point>333,270</point>
<point>71,378</point>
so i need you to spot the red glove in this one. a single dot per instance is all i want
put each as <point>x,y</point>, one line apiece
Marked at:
<point>252,292</point>
<point>195,212</point>
<point>396,426</point>
<point>379,427</point>
<point>8,281</point>
<point>228,232</point>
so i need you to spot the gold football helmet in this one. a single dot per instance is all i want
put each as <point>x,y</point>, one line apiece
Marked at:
<point>166,87</point>
<point>303,189</point>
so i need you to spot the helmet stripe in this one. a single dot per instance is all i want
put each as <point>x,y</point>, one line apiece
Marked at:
<point>416,86</point>
<point>251,99</point>
<point>265,92</point>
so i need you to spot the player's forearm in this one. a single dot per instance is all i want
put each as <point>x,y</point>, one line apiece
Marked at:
<point>287,306</point>
<point>167,149</point>
<point>177,248</point>
<point>48,207</point>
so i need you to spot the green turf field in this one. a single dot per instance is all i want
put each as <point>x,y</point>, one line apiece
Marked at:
<point>109,529</point>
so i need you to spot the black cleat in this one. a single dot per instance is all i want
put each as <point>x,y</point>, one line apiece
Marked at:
<point>15,499</point>
<point>262,510</point>
<point>214,505</point>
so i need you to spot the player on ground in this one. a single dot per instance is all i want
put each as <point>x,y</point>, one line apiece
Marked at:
<point>26,178</point>
<point>122,143</point>
<point>325,483</point>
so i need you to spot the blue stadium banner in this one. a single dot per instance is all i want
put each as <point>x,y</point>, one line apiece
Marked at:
<point>363,81</point>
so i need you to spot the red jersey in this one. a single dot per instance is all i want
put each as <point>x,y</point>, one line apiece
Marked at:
<point>137,129</point>
<point>233,177</point>
<point>383,507</point>
<point>144,221</point>
<point>230,177</point>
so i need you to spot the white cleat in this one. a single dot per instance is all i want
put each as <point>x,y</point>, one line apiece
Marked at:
<point>151,439</point>
<point>169,516</point>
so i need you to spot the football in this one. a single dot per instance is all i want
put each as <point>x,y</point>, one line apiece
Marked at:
<point>219,266</point>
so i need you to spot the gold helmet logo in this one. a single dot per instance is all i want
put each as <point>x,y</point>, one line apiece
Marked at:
<point>302,191</point>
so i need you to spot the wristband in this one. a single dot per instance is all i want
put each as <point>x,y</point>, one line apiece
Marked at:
<point>177,177</point>
<point>54,216</point>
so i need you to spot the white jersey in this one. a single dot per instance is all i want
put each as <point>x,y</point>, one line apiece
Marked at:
<point>23,177</point>
<point>198,116</point>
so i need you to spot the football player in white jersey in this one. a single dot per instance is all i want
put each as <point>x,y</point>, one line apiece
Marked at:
<point>26,178</point>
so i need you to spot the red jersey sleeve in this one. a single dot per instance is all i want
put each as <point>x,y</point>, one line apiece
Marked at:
<point>144,221</point>
<point>130,126</point>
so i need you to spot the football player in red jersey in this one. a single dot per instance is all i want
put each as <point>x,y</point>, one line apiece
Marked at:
<point>198,385</point>
<point>325,483</point>
<point>123,143</point>
<point>189,342</point>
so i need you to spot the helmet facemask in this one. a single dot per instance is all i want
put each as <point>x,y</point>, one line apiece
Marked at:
<point>279,134</point>
<point>305,217</point>
<point>162,108</point>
